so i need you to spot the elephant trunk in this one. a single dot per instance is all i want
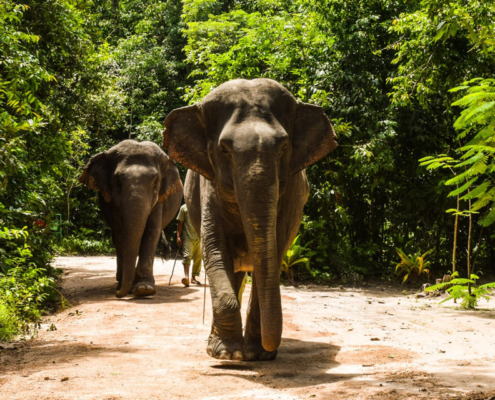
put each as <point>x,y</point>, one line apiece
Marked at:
<point>258,193</point>
<point>136,212</point>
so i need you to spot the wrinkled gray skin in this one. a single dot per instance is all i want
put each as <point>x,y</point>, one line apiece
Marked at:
<point>140,192</point>
<point>246,146</point>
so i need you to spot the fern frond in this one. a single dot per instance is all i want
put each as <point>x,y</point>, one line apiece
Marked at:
<point>487,286</point>
<point>457,179</point>
<point>477,192</point>
<point>471,160</point>
<point>478,168</point>
<point>462,188</point>
<point>488,219</point>
<point>481,202</point>
<point>456,89</point>
<point>472,114</point>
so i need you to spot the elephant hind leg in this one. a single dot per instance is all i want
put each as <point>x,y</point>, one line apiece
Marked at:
<point>253,349</point>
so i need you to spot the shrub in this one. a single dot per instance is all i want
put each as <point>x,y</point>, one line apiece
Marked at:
<point>460,289</point>
<point>413,265</point>
<point>297,254</point>
<point>26,288</point>
<point>84,242</point>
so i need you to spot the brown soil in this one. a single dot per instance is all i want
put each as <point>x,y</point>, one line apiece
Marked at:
<point>337,344</point>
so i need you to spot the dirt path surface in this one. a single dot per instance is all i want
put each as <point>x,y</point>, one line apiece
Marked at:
<point>337,344</point>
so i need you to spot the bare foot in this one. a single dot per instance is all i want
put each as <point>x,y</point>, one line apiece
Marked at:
<point>185,282</point>
<point>194,280</point>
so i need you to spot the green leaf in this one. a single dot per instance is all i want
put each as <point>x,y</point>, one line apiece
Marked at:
<point>477,192</point>
<point>456,89</point>
<point>462,188</point>
<point>458,178</point>
<point>471,160</point>
<point>488,219</point>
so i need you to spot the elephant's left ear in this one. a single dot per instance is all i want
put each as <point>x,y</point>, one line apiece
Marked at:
<point>313,136</point>
<point>96,175</point>
<point>171,182</point>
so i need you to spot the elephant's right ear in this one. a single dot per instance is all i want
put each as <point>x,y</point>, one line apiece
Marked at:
<point>95,175</point>
<point>185,138</point>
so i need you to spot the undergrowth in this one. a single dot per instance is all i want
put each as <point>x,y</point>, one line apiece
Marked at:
<point>27,288</point>
<point>465,290</point>
<point>83,243</point>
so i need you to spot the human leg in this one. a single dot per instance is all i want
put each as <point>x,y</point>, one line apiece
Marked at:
<point>196,258</point>
<point>188,252</point>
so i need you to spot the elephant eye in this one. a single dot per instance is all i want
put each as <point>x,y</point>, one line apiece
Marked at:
<point>282,150</point>
<point>225,146</point>
<point>118,184</point>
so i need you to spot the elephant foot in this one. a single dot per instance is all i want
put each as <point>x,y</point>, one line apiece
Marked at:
<point>254,351</point>
<point>224,349</point>
<point>143,288</point>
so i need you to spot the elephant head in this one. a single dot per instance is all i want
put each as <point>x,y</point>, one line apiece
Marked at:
<point>132,178</point>
<point>249,138</point>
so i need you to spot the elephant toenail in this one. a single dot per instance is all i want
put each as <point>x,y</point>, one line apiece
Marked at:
<point>224,355</point>
<point>238,356</point>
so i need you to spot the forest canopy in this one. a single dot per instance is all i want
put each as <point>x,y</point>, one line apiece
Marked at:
<point>408,86</point>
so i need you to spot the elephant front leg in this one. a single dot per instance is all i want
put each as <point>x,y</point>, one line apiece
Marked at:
<point>254,350</point>
<point>120,259</point>
<point>144,282</point>
<point>225,341</point>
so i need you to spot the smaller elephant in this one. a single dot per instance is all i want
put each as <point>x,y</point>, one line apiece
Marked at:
<point>140,192</point>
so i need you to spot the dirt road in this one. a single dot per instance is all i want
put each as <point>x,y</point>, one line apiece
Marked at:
<point>337,344</point>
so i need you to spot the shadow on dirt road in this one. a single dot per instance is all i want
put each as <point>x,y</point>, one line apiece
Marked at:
<point>299,364</point>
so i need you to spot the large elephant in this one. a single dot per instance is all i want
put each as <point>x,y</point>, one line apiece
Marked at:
<point>246,146</point>
<point>140,192</point>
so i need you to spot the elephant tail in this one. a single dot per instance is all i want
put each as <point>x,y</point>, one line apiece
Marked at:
<point>167,251</point>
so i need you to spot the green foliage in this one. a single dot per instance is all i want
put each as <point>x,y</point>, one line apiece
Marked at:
<point>476,162</point>
<point>85,242</point>
<point>25,288</point>
<point>147,62</point>
<point>465,290</point>
<point>413,265</point>
<point>432,37</point>
<point>48,71</point>
<point>297,254</point>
